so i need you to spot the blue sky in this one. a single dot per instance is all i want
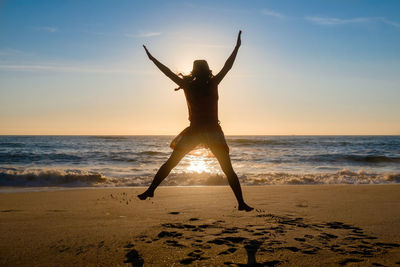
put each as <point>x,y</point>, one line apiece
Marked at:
<point>305,67</point>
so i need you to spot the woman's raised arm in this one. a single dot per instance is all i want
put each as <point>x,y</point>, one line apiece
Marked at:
<point>164,69</point>
<point>229,62</point>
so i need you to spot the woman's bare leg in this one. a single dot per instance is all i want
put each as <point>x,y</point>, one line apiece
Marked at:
<point>225,161</point>
<point>163,172</point>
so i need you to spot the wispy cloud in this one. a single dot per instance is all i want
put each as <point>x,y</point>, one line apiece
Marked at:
<point>389,22</point>
<point>50,29</point>
<point>143,34</point>
<point>67,68</point>
<point>360,20</point>
<point>10,52</point>
<point>335,21</point>
<point>214,8</point>
<point>203,45</point>
<point>272,13</point>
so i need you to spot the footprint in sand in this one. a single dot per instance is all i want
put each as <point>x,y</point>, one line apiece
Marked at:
<point>11,210</point>
<point>332,237</point>
<point>169,234</point>
<point>194,256</point>
<point>134,258</point>
<point>346,261</point>
<point>228,251</point>
<point>174,243</point>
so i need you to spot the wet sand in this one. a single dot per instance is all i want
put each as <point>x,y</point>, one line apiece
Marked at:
<point>334,225</point>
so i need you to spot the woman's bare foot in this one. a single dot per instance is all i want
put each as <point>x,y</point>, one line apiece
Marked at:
<point>245,207</point>
<point>145,195</point>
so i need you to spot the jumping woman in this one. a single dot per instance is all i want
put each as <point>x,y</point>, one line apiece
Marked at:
<point>201,92</point>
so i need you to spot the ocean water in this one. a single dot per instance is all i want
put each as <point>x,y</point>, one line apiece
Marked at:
<point>108,161</point>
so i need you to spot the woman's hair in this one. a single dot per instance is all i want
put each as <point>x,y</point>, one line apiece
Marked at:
<point>201,70</point>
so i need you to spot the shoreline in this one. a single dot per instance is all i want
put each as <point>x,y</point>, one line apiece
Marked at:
<point>38,189</point>
<point>292,225</point>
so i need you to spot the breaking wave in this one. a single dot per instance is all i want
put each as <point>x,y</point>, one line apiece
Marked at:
<point>76,157</point>
<point>344,176</point>
<point>38,177</point>
<point>374,159</point>
<point>365,159</point>
<point>81,178</point>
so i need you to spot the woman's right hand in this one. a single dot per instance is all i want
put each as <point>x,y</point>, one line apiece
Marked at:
<point>239,41</point>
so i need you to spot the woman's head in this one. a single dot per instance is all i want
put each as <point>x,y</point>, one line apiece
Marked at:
<point>201,70</point>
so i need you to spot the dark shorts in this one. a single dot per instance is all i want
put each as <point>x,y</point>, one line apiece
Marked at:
<point>200,136</point>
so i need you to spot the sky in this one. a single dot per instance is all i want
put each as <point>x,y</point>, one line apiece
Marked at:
<point>304,67</point>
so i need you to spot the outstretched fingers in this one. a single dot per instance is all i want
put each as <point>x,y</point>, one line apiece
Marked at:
<point>147,52</point>
<point>239,39</point>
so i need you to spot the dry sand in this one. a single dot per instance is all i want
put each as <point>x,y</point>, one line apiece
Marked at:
<point>292,226</point>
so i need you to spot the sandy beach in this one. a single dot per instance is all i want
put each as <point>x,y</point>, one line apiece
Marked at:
<point>292,226</point>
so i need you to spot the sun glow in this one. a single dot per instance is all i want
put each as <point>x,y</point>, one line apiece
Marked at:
<point>198,161</point>
<point>184,66</point>
<point>198,166</point>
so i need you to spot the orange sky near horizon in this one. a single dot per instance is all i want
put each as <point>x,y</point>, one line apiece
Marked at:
<point>296,73</point>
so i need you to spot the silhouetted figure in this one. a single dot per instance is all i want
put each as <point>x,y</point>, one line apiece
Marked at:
<point>201,91</point>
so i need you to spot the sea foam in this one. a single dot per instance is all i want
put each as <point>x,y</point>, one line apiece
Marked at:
<point>79,178</point>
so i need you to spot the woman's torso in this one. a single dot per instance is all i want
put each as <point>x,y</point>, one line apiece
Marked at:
<point>202,101</point>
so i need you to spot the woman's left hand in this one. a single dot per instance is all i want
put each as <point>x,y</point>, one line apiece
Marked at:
<point>148,53</point>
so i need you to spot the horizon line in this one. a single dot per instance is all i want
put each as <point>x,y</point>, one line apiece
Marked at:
<point>1,135</point>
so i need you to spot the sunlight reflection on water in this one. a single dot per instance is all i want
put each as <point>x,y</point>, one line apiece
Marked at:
<point>199,161</point>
